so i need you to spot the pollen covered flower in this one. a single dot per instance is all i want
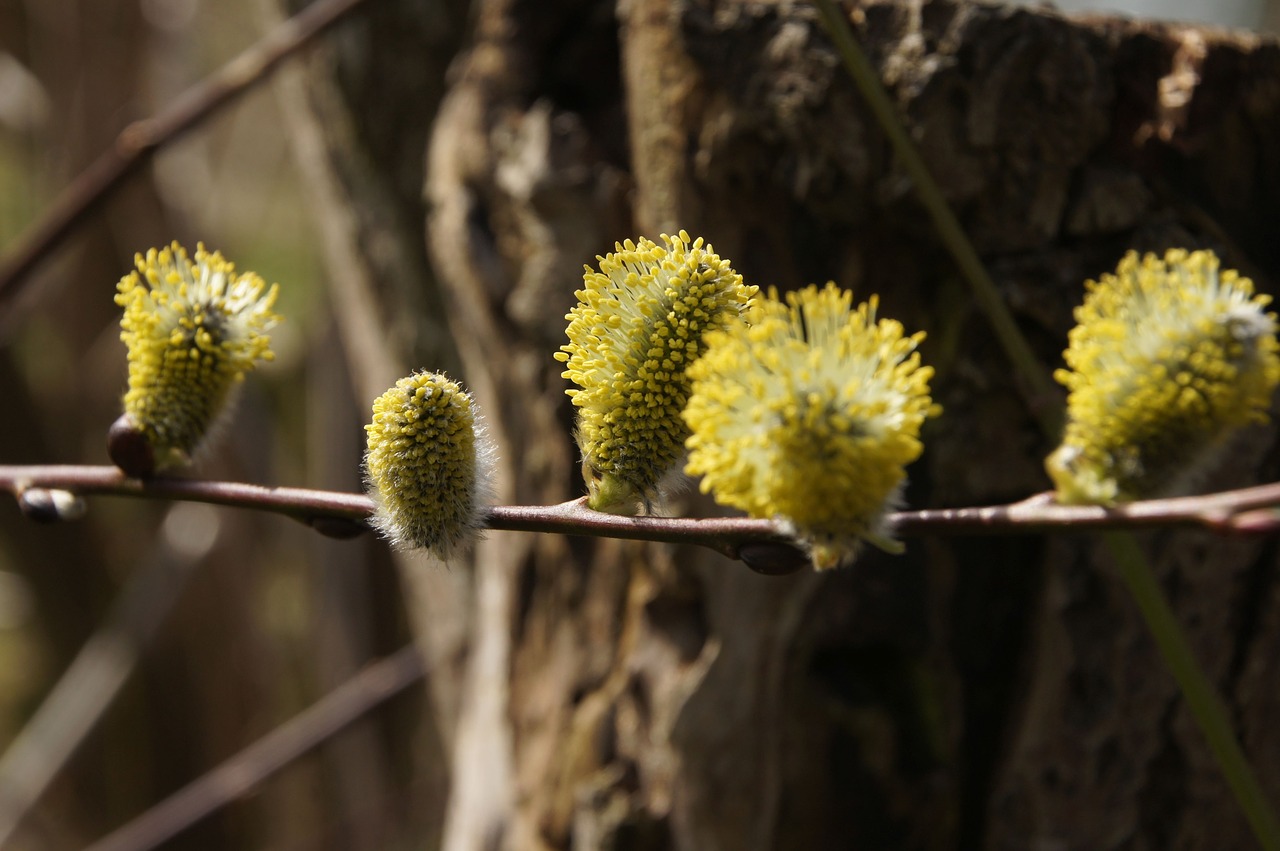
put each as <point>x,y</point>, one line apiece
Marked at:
<point>193,330</point>
<point>807,412</point>
<point>1170,356</point>
<point>639,323</point>
<point>429,464</point>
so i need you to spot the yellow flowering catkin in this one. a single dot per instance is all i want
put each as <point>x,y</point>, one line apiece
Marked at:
<point>429,464</point>
<point>807,412</point>
<point>193,330</point>
<point>639,323</point>
<point>1170,356</point>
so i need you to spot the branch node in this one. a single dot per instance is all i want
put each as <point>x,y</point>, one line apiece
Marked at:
<point>50,505</point>
<point>341,528</point>
<point>130,449</point>
<point>772,558</point>
<point>1260,521</point>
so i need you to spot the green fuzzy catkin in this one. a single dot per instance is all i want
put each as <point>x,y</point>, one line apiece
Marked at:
<point>429,465</point>
<point>1169,358</point>
<point>808,411</point>
<point>639,323</point>
<point>193,331</point>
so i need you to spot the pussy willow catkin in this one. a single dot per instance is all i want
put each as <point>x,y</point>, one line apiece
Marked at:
<point>807,411</point>
<point>193,330</point>
<point>640,321</point>
<point>429,464</point>
<point>1169,357</point>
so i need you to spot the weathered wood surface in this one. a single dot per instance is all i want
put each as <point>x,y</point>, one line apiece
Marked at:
<point>973,693</point>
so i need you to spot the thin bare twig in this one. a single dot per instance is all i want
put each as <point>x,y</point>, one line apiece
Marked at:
<point>300,503</point>
<point>138,142</point>
<point>1254,510</point>
<point>240,774</point>
<point>1251,510</point>
<point>84,691</point>
<point>1206,706</point>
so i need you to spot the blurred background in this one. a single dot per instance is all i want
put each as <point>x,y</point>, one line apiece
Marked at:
<point>255,617</point>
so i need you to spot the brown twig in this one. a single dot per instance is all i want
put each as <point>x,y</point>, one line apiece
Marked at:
<point>240,774</point>
<point>73,707</point>
<point>1254,510</point>
<point>305,505</point>
<point>1244,511</point>
<point>138,142</point>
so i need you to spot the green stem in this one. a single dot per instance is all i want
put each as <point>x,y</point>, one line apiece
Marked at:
<point>1203,701</point>
<point>952,235</point>
<point>1205,705</point>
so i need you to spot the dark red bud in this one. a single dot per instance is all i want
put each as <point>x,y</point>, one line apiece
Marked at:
<point>129,449</point>
<point>341,528</point>
<point>43,505</point>
<point>773,558</point>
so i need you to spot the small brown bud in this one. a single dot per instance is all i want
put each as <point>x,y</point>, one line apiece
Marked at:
<point>129,448</point>
<point>773,558</point>
<point>46,505</point>
<point>341,528</point>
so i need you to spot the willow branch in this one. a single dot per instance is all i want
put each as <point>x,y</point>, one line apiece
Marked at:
<point>72,709</point>
<point>243,772</point>
<point>760,543</point>
<point>138,142</point>
<point>1206,706</point>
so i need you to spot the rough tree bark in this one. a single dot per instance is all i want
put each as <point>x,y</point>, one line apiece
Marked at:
<point>996,693</point>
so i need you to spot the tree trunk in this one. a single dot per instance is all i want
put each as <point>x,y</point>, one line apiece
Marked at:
<point>997,693</point>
